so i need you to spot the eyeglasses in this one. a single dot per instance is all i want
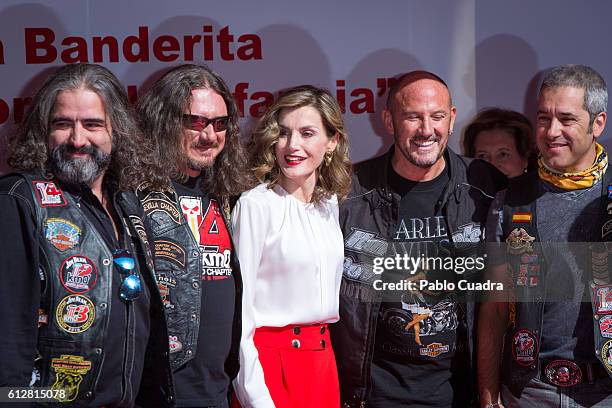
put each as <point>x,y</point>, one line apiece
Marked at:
<point>126,265</point>
<point>199,123</point>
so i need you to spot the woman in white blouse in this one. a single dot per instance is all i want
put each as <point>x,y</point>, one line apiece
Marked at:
<point>291,251</point>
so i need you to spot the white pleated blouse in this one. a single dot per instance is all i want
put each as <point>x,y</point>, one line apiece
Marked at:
<point>291,256</point>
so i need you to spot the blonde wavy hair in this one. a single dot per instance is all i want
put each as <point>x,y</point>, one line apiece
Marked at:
<point>332,178</point>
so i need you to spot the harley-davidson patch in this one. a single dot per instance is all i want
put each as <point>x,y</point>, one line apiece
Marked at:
<point>62,234</point>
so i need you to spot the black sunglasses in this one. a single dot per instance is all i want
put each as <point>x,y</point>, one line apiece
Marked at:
<point>199,123</point>
<point>126,265</point>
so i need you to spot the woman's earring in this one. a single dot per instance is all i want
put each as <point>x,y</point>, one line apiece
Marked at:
<point>329,155</point>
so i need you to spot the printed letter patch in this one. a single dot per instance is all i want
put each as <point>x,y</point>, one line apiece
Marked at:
<point>49,194</point>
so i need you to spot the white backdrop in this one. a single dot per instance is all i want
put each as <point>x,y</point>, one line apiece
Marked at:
<point>491,52</point>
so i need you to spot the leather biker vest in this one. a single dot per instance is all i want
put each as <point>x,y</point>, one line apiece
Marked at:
<point>76,268</point>
<point>527,262</point>
<point>178,267</point>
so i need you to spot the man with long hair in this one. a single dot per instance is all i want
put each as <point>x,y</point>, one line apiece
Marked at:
<point>190,117</point>
<point>78,293</point>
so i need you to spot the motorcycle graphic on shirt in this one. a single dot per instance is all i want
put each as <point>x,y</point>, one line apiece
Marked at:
<point>417,316</point>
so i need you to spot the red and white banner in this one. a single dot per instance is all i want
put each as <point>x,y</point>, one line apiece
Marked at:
<point>489,51</point>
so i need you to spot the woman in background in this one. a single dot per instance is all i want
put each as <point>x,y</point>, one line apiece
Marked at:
<point>502,137</point>
<point>290,249</point>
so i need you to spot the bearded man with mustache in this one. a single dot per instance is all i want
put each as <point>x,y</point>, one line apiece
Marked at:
<point>423,201</point>
<point>190,118</point>
<point>78,165</point>
<point>78,293</point>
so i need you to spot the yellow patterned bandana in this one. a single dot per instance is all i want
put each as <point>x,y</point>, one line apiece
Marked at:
<point>576,181</point>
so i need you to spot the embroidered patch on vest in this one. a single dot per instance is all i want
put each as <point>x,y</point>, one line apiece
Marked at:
<point>139,227</point>
<point>69,372</point>
<point>519,241</point>
<point>49,194</point>
<point>605,326</point>
<point>61,233</point>
<point>78,274</point>
<point>528,274</point>
<point>602,297</point>
<point>75,314</point>
<point>170,251</point>
<point>165,283</point>
<point>563,373</point>
<point>161,205</point>
<point>524,347</point>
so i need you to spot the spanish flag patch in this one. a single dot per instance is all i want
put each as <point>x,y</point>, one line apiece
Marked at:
<point>521,217</point>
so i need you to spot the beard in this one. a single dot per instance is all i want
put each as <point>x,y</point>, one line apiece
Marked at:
<point>204,163</point>
<point>78,170</point>
<point>423,161</point>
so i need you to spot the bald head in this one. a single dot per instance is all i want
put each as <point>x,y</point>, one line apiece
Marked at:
<point>420,116</point>
<point>410,78</point>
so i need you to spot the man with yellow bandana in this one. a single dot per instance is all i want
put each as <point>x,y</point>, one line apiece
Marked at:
<point>545,340</point>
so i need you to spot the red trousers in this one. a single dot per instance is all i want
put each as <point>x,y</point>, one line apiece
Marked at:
<point>299,366</point>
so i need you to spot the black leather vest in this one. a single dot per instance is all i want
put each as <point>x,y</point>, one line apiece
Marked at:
<point>178,267</point>
<point>527,260</point>
<point>76,269</point>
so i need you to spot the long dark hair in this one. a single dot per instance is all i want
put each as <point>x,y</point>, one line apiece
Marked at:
<point>132,160</point>
<point>160,113</point>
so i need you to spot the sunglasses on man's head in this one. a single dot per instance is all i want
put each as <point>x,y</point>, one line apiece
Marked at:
<point>126,265</point>
<point>199,123</point>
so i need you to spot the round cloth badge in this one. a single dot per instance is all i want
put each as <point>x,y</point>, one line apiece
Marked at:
<point>563,373</point>
<point>75,314</point>
<point>78,274</point>
<point>605,326</point>
<point>524,347</point>
<point>606,355</point>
